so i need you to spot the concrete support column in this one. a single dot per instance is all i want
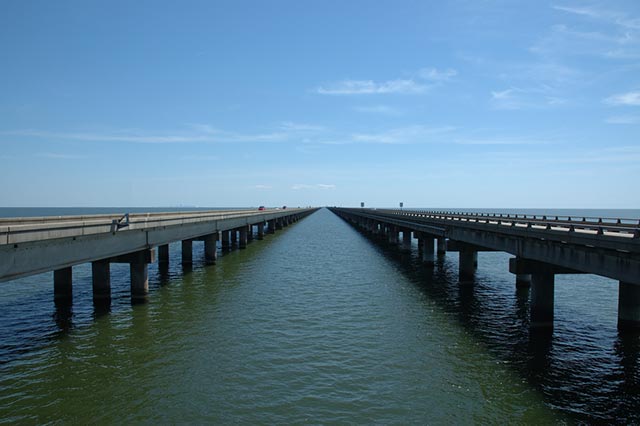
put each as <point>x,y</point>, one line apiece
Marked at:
<point>428,251</point>
<point>225,239</point>
<point>234,237</point>
<point>279,223</point>
<point>442,245</point>
<point>163,253</point>
<point>261,231</point>
<point>467,264</point>
<point>187,252</point>
<point>628,306</point>
<point>211,248</point>
<point>139,279</point>
<point>393,234</point>
<point>249,233</point>
<point>63,283</point>
<point>542,299</point>
<point>406,240</point>
<point>101,279</point>
<point>523,280</point>
<point>271,228</point>
<point>243,237</point>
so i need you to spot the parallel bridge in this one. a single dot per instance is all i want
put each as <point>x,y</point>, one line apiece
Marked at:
<point>35,245</point>
<point>543,246</point>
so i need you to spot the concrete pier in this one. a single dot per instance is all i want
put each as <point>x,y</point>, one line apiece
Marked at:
<point>187,252</point>
<point>234,237</point>
<point>210,248</point>
<point>467,264</point>
<point>406,240</point>
<point>428,252</point>
<point>523,280</point>
<point>442,246</point>
<point>226,240</point>
<point>628,306</point>
<point>261,231</point>
<point>271,228</point>
<point>163,253</point>
<point>392,234</point>
<point>63,283</point>
<point>101,279</point>
<point>138,267</point>
<point>242,243</point>
<point>542,299</point>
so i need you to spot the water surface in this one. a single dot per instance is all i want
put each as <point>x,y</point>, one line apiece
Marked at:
<point>317,324</point>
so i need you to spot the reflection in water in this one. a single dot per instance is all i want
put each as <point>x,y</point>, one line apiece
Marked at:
<point>63,314</point>
<point>101,307</point>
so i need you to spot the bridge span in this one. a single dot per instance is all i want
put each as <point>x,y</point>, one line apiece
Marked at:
<point>543,246</point>
<point>35,245</point>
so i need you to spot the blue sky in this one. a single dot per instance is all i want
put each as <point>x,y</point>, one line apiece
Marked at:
<point>483,103</point>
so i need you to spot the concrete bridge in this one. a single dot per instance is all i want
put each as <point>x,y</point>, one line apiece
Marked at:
<point>39,244</point>
<point>543,246</point>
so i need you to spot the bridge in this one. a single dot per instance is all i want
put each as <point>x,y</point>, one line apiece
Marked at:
<point>35,245</point>
<point>543,246</point>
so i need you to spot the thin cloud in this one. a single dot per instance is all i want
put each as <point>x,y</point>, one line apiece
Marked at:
<point>301,186</point>
<point>498,141</point>
<point>624,99</point>
<point>263,187</point>
<point>402,135</point>
<point>300,127</point>
<point>433,74</point>
<point>623,119</point>
<point>61,156</point>
<point>370,87</point>
<point>378,109</point>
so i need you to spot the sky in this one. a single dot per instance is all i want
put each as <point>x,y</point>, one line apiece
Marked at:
<point>470,104</point>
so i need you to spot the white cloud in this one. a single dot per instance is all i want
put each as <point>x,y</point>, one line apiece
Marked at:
<point>263,187</point>
<point>516,98</point>
<point>501,141</point>
<point>624,99</point>
<point>300,186</point>
<point>369,87</point>
<point>378,109</point>
<point>402,135</point>
<point>300,127</point>
<point>433,74</point>
<point>623,119</point>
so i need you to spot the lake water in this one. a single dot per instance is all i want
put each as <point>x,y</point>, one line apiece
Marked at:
<point>315,324</point>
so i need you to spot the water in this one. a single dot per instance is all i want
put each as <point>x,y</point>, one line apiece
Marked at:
<point>316,324</point>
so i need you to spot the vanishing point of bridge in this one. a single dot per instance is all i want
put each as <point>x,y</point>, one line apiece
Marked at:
<point>543,246</point>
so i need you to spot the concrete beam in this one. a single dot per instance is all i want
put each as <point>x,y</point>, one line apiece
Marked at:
<point>455,246</point>
<point>521,266</point>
